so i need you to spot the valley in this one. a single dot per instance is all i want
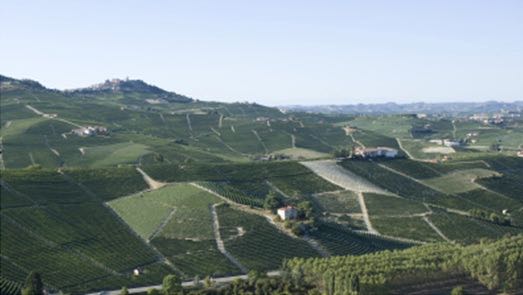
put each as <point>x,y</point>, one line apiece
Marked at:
<point>124,183</point>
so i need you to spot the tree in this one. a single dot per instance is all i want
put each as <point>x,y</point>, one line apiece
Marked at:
<point>196,281</point>
<point>355,284</point>
<point>328,282</point>
<point>33,285</point>
<point>457,291</point>
<point>207,282</point>
<point>171,285</point>
<point>272,202</point>
<point>153,291</point>
<point>253,276</point>
<point>124,291</point>
<point>304,209</point>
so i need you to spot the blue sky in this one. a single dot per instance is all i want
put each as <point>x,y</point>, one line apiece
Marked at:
<point>274,52</point>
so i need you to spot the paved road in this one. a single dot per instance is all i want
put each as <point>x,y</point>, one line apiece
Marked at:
<point>185,284</point>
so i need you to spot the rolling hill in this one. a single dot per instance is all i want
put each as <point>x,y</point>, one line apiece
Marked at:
<point>122,183</point>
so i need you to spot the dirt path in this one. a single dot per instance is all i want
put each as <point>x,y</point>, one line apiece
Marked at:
<point>293,141</point>
<point>260,140</point>
<point>436,229</point>
<point>32,158</point>
<point>7,124</point>
<point>34,110</point>
<point>409,155</point>
<point>268,217</point>
<point>220,121</point>
<point>153,184</point>
<point>365,214</point>
<point>356,141</point>
<point>216,131</point>
<point>188,118</point>
<point>54,117</point>
<point>2,165</point>
<point>230,147</point>
<point>219,241</point>
<point>161,226</point>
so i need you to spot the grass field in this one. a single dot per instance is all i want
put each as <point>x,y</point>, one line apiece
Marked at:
<point>109,155</point>
<point>459,181</point>
<point>186,206</point>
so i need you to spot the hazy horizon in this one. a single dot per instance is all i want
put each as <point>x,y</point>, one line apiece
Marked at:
<point>274,53</point>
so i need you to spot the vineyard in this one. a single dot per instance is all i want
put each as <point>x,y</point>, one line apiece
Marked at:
<point>404,186</point>
<point>255,243</point>
<point>339,240</point>
<point>250,193</point>
<point>413,228</point>
<point>342,177</point>
<point>109,183</point>
<point>338,202</point>
<point>469,230</point>
<point>75,209</point>
<point>389,205</point>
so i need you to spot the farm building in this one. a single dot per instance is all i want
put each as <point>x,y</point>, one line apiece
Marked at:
<point>91,131</point>
<point>288,212</point>
<point>451,143</point>
<point>376,152</point>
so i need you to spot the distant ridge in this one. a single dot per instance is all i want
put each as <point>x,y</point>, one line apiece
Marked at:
<point>417,107</point>
<point>129,86</point>
<point>110,86</point>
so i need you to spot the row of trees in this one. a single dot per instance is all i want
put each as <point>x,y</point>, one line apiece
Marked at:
<point>490,217</point>
<point>496,264</point>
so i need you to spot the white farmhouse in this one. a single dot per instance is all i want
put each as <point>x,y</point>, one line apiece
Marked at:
<point>451,143</point>
<point>288,212</point>
<point>376,152</point>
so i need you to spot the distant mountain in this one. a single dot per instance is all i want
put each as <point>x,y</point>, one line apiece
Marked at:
<point>419,107</point>
<point>131,86</point>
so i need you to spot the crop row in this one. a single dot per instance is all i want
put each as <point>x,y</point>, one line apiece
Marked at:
<point>255,243</point>
<point>339,240</point>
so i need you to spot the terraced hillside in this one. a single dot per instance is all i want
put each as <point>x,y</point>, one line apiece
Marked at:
<point>99,184</point>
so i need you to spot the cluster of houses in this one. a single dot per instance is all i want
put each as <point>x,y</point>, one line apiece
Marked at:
<point>496,119</point>
<point>91,131</point>
<point>376,152</point>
